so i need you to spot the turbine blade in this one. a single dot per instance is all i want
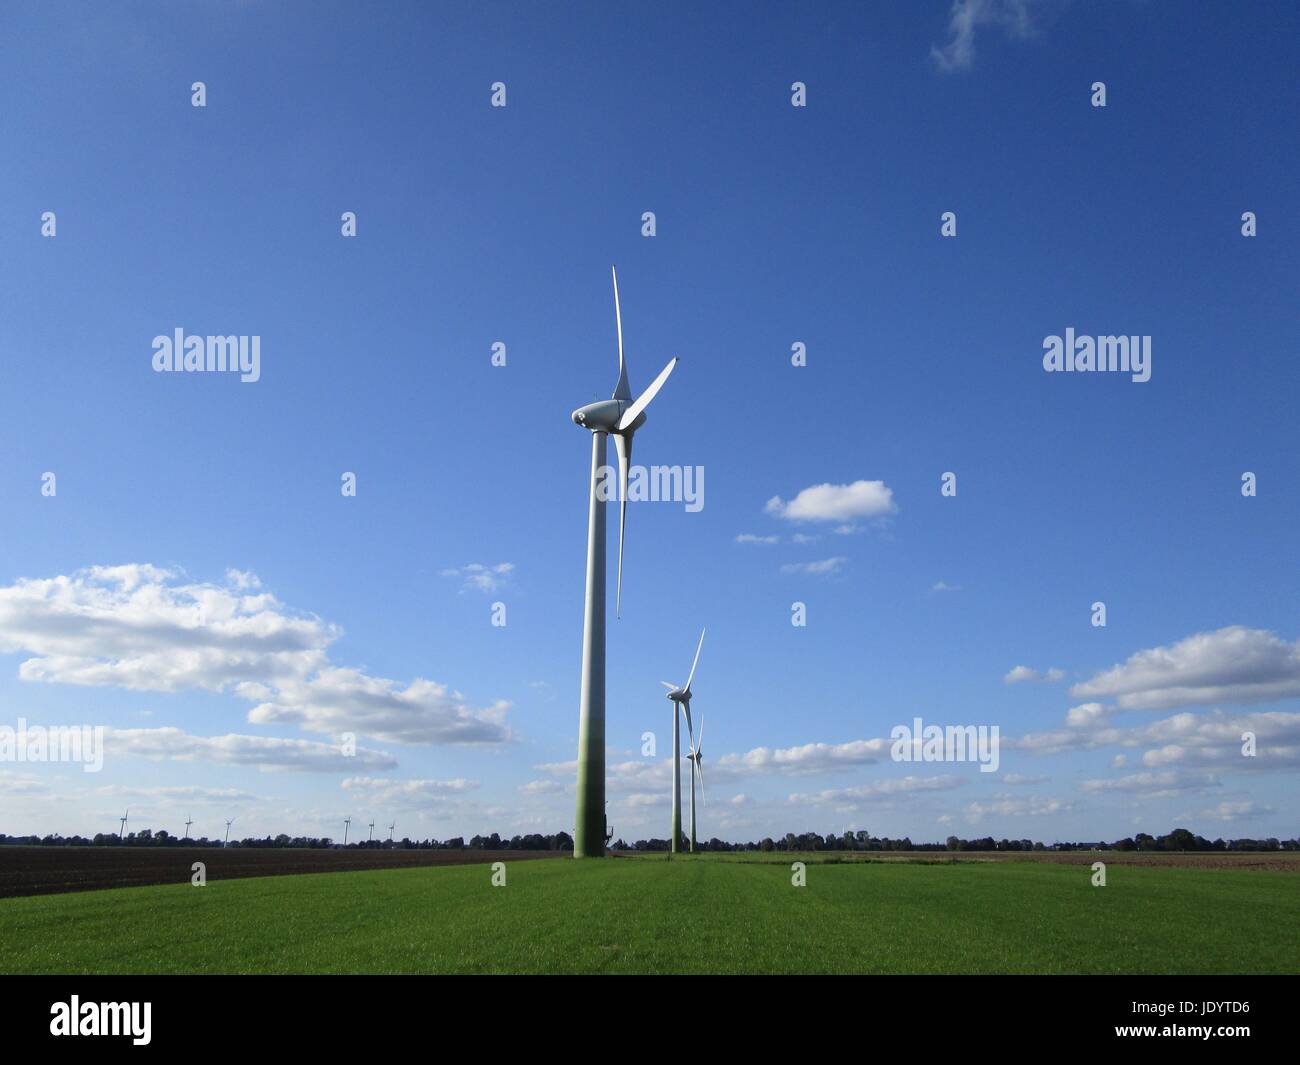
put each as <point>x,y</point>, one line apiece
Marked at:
<point>623,445</point>
<point>671,687</point>
<point>643,400</point>
<point>699,766</point>
<point>696,662</point>
<point>621,390</point>
<point>689,732</point>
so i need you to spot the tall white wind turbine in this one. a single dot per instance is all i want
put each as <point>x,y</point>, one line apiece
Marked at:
<point>681,700</point>
<point>619,417</point>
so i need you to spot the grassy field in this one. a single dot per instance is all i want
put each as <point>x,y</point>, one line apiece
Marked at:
<point>690,915</point>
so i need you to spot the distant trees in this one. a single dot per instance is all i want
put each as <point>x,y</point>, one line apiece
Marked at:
<point>1180,839</point>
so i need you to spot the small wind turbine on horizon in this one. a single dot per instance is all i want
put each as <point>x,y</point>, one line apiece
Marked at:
<point>121,830</point>
<point>390,831</point>
<point>188,822</point>
<point>681,700</point>
<point>347,823</point>
<point>619,417</point>
<point>371,837</point>
<point>229,821</point>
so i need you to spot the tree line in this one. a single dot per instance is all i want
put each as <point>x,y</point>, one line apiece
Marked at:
<point>1180,839</point>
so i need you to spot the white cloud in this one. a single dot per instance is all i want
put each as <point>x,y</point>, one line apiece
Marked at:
<point>876,789</point>
<point>808,758</point>
<point>541,787</point>
<point>968,15</point>
<point>1242,810</point>
<point>144,628</point>
<point>1020,778</point>
<point>407,794</point>
<point>942,586</point>
<point>1154,785</point>
<point>839,503</point>
<point>822,568</point>
<point>340,700</point>
<point>750,538</point>
<point>1231,665</point>
<point>480,578</point>
<point>1006,806</point>
<point>1019,674</point>
<point>232,749</point>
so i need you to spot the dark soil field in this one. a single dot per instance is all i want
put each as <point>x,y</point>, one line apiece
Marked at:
<point>48,870</point>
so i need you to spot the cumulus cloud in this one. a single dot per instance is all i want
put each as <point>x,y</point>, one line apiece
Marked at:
<point>808,758</point>
<point>1020,674</point>
<point>1232,665</point>
<point>407,794</point>
<point>966,16</point>
<point>477,577</point>
<point>1007,806</point>
<point>823,568</point>
<point>1212,738</point>
<point>262,751</point>
<point>876,789</point>
<point>145,628</point>
<point>839,503</point>
<point>1154,785</point>
<point>1240,810</point>
<point>338,700</point>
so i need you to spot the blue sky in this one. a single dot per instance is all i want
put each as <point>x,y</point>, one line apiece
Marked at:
<point>775,225</point>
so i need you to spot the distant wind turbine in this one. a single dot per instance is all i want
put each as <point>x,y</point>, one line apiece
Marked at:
<point>697,768</point>
<point>121,831</point>
<point>390,831</point>
<point>347,822</point>
<point>681,700</point>
<point>229,821</point>
<point>188,822</point>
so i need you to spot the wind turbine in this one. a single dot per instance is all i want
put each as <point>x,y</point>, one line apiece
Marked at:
<point>347,823</point>
<point>371,838</point>
<point>188,822</point>
<point>697,767</point>
<point>121,831</point>
<point>390,831</point>
<point>229,821</point>
<point>619,417</point>
<point>681,700</point>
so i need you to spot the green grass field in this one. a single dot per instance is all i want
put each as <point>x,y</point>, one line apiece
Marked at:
<point>686,916</point>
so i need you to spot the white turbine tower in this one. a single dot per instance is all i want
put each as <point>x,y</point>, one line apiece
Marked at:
<point>347,823</point>
<point>229,821</point>
<point>681,700</point>
<point>188,822</point>
<point>121,831</point>
<point>697,769</point>
<point>390,831</point>
<point>619,417</point>
<point>371,837</point>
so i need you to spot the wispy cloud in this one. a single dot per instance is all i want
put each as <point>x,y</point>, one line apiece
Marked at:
<point>476,577</point>
<point>966,17</point>
<point>1020,674</point>
<point>821,568</point>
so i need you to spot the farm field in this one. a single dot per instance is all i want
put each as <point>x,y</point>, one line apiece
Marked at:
<point>47,870</point>
<point>690,915</point>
